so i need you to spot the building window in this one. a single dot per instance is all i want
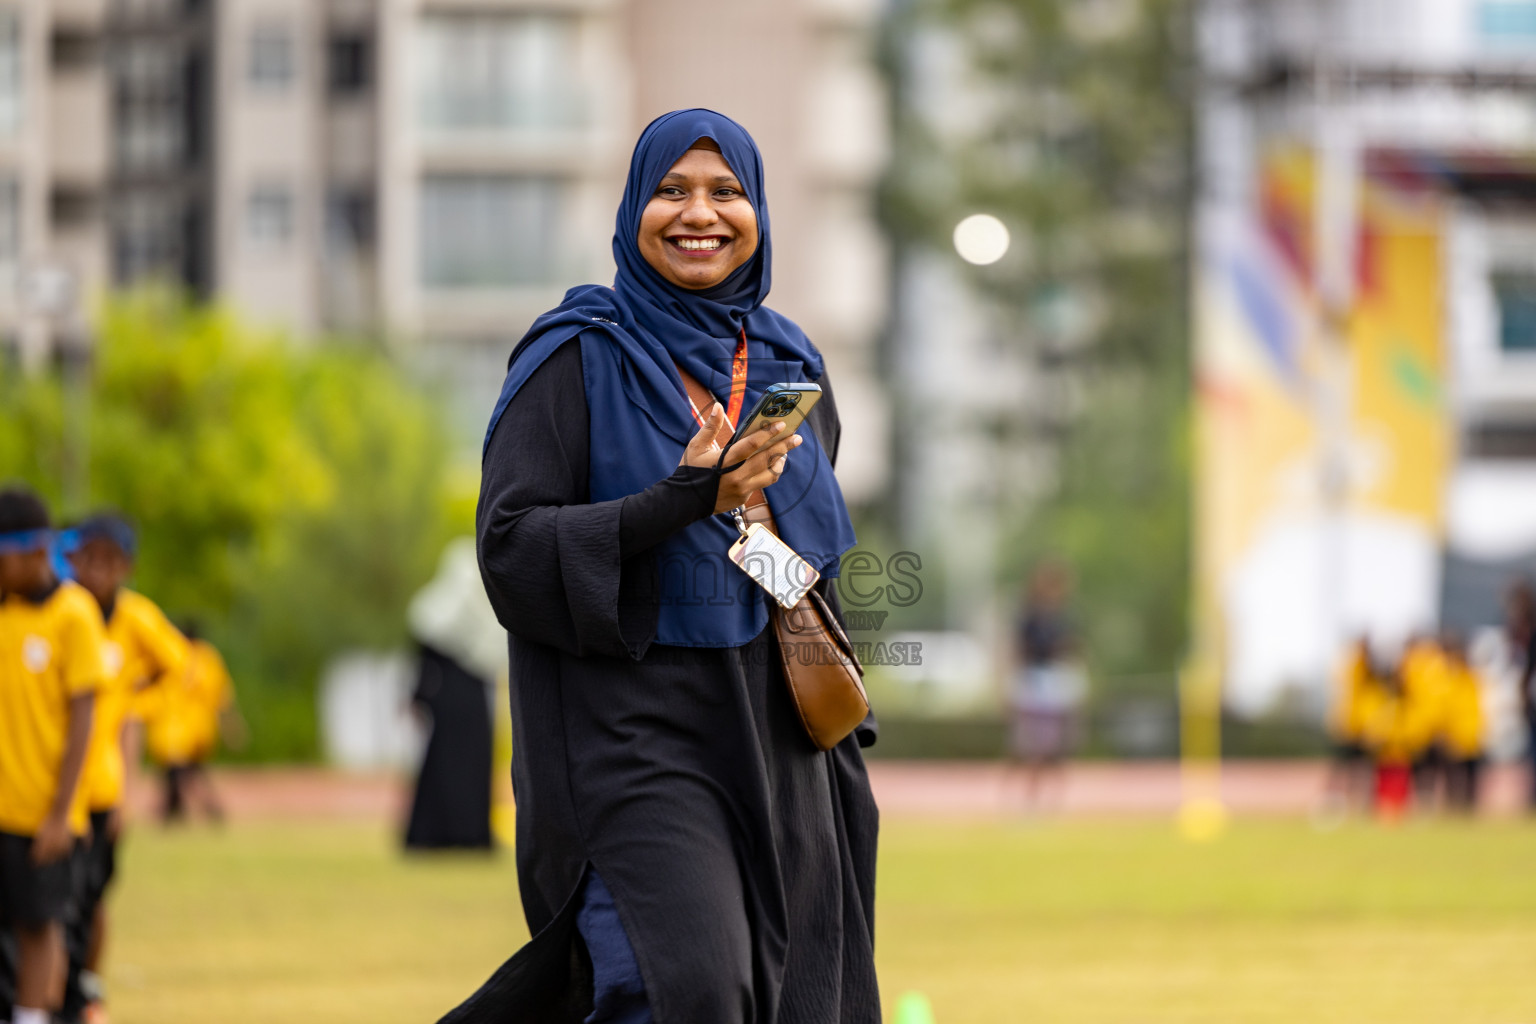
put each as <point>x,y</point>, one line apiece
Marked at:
<point>147,131</point>
<point>10,222</point>
<point>148,134</point>
<point>498,72</point>
<point>74,50</point>
<point>192,112</point>
<point>71,207</point>
<point>141,246</point>
<point>1515,292</point>
<point>349,220</point>
<point>195,264</point>
<point>349,63</point>
<point>271,57</point>
<point>269,217</point>
<point>11,95</point>
<point>489,231</point>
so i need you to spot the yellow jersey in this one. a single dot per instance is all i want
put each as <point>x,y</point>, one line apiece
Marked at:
<point>1424,695</point>
<point>1461,724</point>
<point>1391,732</point>
<point>185,726</point>
<point>142,648</point>
<point>1423,671</point>
<point>214,691</point>
<point>1358,692</point>
<point>51,651</point>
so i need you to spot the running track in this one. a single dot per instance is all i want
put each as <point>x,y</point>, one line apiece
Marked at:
<point>903,788</point>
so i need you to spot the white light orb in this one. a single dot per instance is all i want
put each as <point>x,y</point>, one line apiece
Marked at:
<point>981,239</point>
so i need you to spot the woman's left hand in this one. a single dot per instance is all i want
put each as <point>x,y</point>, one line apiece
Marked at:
<point>702,451</point>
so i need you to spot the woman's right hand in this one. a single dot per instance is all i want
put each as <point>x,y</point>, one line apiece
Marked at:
<point>758,471</point>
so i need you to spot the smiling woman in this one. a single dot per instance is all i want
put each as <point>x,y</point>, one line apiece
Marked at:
<point>686,854</point>
<point>699,226</point>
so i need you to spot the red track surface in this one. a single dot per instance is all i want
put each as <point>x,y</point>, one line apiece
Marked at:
<point>903,789</point>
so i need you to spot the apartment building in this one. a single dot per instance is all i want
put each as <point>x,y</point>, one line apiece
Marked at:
<point>501,159</point>
<point>54,168</point>
<point>433,171</point>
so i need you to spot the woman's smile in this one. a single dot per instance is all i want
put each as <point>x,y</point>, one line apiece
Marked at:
<point>698,226</point>
<point>699,248</point>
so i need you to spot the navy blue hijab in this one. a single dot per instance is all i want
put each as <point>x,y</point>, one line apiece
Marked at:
<point>633,337</point>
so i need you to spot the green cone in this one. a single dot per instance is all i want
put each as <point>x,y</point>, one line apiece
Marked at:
<point>913,1008</point>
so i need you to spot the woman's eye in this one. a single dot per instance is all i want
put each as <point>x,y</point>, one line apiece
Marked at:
<point>669,190</point>
<point>726,193</point>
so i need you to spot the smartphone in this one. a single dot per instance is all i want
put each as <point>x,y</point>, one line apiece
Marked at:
<point>788,402</point>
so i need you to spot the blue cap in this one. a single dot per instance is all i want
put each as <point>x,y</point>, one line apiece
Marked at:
<point>23,541</point>
<point>109,527</point>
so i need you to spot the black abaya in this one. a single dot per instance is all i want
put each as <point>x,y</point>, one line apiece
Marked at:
<point>452,805</point>
<point>741,858</point>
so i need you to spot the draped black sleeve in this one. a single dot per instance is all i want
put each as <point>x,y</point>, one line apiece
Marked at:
<point>561,571</point>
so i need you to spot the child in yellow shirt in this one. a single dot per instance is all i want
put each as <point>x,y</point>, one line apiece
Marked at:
<point>143,650</point>
<point>1461,727</point>
<point>213,695</point>
<point>184,729</point>
<point>51,668</point>
<point>1393,736</point>
<point>1359,690</point>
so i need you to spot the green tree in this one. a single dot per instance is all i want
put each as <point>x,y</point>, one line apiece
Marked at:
<point>339,576</point>
<point>290,498</point>
<point>1070,120</point>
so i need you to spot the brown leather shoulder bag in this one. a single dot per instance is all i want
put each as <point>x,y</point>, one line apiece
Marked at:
<point>823,672</point>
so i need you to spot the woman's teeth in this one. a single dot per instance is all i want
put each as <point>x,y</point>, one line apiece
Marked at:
<point>696,243</point>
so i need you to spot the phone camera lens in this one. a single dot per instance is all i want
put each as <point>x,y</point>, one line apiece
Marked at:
<point>781,406</point>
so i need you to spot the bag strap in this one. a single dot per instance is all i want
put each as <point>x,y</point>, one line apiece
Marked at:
<point>699,395</point>
<point>839,637</point>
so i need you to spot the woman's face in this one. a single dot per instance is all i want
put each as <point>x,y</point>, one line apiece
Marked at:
<point>698,226</point>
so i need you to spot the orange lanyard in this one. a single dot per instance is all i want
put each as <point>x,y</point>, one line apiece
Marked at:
<point>738,385</point>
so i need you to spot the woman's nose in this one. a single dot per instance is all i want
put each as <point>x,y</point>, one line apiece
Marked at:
<point>699,212</point>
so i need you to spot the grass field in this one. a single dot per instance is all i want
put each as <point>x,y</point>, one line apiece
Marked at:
<point>1115,921</point>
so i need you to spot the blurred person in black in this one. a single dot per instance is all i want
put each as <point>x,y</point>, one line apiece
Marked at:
<point>460,649</point>
<point>1520,634</point>
<point>1048,685</point>
<point>451,808</point>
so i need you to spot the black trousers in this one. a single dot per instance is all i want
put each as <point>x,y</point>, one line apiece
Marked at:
<point>100,866</point>
<point>34,895</point>
<point>1463,782</point>
<point>1430,771</point>
<point>1530,756</point>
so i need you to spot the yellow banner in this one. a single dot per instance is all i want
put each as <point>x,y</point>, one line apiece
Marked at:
<point>1282,567</point>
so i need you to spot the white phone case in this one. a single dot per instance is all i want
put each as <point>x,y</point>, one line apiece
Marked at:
<point>774,565</point>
